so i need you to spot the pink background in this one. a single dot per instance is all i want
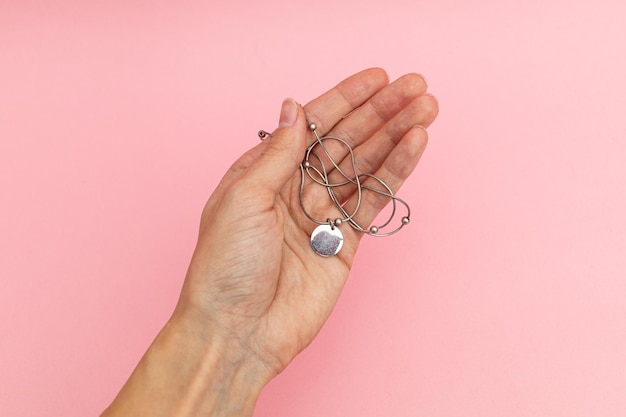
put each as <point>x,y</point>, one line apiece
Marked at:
<point>505,297</point>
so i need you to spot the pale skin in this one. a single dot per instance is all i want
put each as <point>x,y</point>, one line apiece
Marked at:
<point>256,294</point>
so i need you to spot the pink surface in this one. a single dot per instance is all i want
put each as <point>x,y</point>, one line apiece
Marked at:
<point>505,297</point>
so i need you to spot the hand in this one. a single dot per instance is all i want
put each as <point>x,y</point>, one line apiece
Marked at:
<point>256,293</point>
<point>254,274</point>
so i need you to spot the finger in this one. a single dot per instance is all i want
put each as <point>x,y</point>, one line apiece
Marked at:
<point>374,115</point>
<point>396,168</point>
<point>282,151</point>
<point>331,107</point>
<point>380,109</point>
<point>370,155</point>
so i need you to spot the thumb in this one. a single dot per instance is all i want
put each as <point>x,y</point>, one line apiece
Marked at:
<point>283,151</point>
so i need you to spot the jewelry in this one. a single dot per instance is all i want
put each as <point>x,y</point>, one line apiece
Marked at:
<point>327,238</point>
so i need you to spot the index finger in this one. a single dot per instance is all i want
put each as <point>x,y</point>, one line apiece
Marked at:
<point>331,107</point>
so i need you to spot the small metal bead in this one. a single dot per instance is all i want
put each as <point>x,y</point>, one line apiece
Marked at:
<point>307,164</point>
<point>264,134</point>
<point>374,229</point>
<point>312,126</point>
<point>406,220</point>
<point>338,221</point>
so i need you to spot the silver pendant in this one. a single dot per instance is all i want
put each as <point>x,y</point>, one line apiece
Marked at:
<point>326,240</point>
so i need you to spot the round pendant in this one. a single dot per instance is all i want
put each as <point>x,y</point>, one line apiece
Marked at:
<point>326,241</point>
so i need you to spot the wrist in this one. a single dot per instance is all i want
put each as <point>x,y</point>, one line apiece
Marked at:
<point>216,377</point>
<point>188,373</point>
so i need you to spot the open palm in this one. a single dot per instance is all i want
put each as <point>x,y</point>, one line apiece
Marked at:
<point>254,277</point>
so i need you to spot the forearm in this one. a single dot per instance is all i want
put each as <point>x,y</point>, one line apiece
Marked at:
<point>182,374</point>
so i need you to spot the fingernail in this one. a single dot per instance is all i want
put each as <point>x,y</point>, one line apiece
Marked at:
<point>288,113</point>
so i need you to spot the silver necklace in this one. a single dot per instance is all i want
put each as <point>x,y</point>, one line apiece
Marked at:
<point>327,238</point>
